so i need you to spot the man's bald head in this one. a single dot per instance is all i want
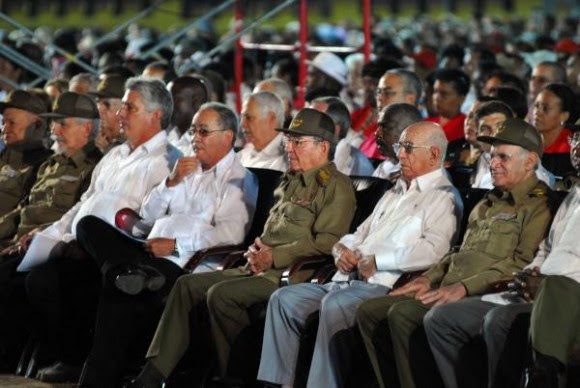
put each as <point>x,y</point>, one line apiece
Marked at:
<point>421,149</point>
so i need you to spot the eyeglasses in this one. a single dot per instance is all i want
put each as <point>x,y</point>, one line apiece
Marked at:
<point>297,142</point>
<point>407,146</point>
<point>202,132</point>
<point>502,156</point>
<point>574,140</point>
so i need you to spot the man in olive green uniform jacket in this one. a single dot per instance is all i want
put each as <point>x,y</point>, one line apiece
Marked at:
<point>23,132</point>
<point>63,177</point>
<point>504,231</point>
<point>60,182</point>
<point>314,208</point>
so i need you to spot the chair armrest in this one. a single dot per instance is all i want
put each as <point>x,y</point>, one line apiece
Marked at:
<point>231,260</point>
<point>303,269</point>
<point>499,286</point>
<point>204,254</point>
<point>324,274</point>
<point>406,278</point>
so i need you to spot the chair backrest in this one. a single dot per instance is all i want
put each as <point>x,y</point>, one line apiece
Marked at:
<point>368,191</point>
<point>268,181</point>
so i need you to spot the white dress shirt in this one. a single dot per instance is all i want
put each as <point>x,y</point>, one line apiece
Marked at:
<point>410,229</point>
<point>559,253</point>
<point>121,179</point>
<point>208,208</point>
<point>386,169</point>
<point>483,179</point>
<point>272,156</point>
<point>352,161</point>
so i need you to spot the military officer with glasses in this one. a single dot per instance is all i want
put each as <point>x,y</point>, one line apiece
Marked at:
<point>314,207</point>
<point>503,234</point>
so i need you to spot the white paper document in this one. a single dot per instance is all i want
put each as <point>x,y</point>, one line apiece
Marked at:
<point>38,252</point>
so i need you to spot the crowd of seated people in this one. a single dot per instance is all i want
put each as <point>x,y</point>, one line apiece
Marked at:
<point>133,250</point>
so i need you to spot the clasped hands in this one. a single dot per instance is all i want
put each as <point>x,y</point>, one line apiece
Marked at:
<point>526,283</point>
<point>347,260</point>
<point>259,256</point>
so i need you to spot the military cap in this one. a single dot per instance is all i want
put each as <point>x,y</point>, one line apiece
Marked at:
<point>112,86</point>
<point>21,99</point>
<point>70,104</point>
<point>310,122</point>
<point>517,132</point>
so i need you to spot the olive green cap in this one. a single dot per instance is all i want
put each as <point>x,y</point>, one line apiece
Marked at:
<point>517,132</point>
<point>70,104</point>
<point>310,122</point>
<point>21,99</point>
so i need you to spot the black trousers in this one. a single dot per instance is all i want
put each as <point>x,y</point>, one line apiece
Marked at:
<point>64,293</point>
<point>123,321</point>
<point>15,312</point>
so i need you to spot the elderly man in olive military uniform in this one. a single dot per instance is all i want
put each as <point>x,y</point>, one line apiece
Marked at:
<point>501,319</point>
<point>63,177</point>
<point>504,232</point>
<point>315,204</point>
<point>110,91</point>
<point>23,132</point>
<point>60,182</point>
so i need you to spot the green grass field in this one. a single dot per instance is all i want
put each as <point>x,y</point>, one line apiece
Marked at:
<point>168,18</point>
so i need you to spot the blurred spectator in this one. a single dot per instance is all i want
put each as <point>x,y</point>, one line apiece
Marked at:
<point>449,91</point>
<point>556,106</point>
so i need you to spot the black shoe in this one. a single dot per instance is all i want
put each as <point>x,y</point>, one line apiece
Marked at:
<point>135,280</point>
<point>150,377</point>
<point>59,373</point>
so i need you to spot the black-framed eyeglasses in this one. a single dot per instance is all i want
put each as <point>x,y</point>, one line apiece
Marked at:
<point>407,146</point>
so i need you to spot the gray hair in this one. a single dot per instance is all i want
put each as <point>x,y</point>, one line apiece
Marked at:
<point>154,95</point>
<point>331,147</point>
<point>269,102</point>
<point>438,139</point>
<point>85,77</point>
<point>411,82</point>
<point>338,112</point>
<point>281,88</point>
<point>95,125</point>
<point>227,118</point>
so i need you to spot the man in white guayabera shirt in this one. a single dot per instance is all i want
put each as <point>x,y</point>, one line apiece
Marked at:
<point>122,179</point>
<point>208,200</point>
<point>411,228</point>
<point>262,114</point>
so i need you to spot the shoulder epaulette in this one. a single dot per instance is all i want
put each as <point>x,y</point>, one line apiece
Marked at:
<point>323,177</point>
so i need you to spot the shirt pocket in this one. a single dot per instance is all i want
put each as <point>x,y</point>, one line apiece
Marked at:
<point>64,191</point>
<point>298,214</point>
<point>496,238</point>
